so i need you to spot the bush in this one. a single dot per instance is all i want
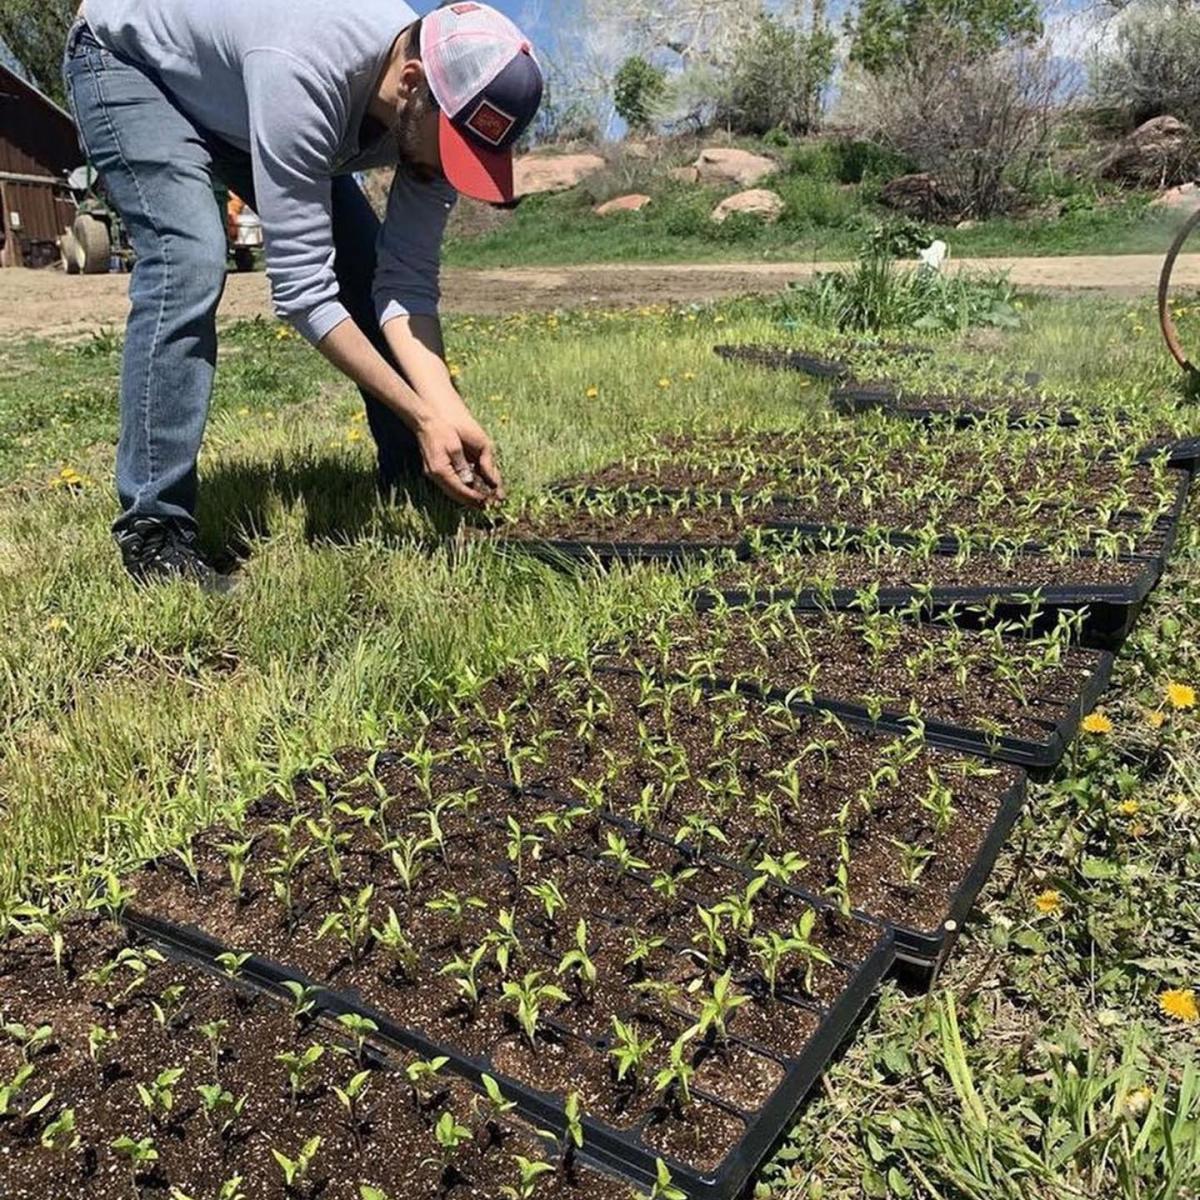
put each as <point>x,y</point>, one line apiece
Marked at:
<point>1155,67</point>
<point>776,80</point>
<point>875,296</point>
<point>638,92</point>
<point>981,125</point>
<point>817,202</point>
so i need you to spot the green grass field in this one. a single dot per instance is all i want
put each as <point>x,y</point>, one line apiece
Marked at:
<point>131,719</point>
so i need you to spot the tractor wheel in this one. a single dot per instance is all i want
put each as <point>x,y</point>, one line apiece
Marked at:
<point>68,249</point>
<point>93,244</point>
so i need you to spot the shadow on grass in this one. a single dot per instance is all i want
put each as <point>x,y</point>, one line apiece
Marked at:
<point>343,504</point>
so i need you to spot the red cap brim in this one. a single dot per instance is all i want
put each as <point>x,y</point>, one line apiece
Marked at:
<point>481,174</point>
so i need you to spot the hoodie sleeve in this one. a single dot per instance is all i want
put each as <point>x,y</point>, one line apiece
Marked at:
<point>410,248</point>
<point>294,123</point>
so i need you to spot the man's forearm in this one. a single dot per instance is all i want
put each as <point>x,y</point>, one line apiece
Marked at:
<point>349,349</point>
<point>420,350</point>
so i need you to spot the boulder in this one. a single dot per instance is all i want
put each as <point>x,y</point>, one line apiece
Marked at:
<point>758,202</point>
<point>536,173</point>
<point>686,175</point>
<point>920,196</point>
<point>725,165</point>
<point>633,203</point>
<point>1160,153</point>
<point>1184,199</point>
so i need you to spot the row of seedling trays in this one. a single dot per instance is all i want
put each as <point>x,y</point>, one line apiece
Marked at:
<point>604,917</point>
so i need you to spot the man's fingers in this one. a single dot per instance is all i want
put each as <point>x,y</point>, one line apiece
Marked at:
<point>448,479</point>
<point>490,472</point>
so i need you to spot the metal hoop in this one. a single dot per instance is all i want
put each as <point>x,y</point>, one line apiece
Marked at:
<point>1165,320</point>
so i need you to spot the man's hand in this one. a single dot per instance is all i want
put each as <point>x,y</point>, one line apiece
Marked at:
<point>460,459</point>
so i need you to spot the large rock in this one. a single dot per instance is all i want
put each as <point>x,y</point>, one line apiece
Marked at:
<point>1160,153</point>
<point>758,202</point>
<point>725,165</point>
<point>920,196</point>
<point>536,173</point>
<point>633,203</point>
<point>1184,199</point>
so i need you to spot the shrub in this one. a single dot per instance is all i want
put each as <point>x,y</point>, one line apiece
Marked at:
<point>1154,68</point>
<point>638,92</point>
<point>981,125</point>
<point>873,296</point>
<point>776,80</point>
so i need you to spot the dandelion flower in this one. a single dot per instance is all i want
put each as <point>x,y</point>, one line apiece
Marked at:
<point>1156,720</point>
<point>1097,723</point>
<point>1049,903</point>
<point>1137,1102</point>
<point>243,412</point>
<point>689,375</point>
<point>1129,808</point>
<point>1180,1005</point>
<point>664,382</point>
<point>355,435</point>
<point>592,393</point>
<point>1180,696</point>
<point>56,624</point>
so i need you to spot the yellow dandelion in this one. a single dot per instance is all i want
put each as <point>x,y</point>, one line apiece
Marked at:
<point>56,624</point>
<point>1156,720</point>
<point>1136,1102</point>
<point>504,418</point>
<point>359,417</point>
<point>718,320</point>
<point>1184,806</point>
<point>1049,903</point>
<point>1097,723</point>
<point>1180,696</point>
<point>454,369</point>
<point>664,382</point>
<point>592,393</point>
<point>243,412</point>
<point>355,435</point>
<point>1180,1005</point>
<point>1129,808</point>
<point>689,375</point>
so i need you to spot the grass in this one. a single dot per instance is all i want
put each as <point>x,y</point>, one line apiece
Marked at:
<point>1041,1067</point>
<point>831,204</point>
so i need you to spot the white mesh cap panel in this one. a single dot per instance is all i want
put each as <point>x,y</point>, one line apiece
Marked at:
<point>464,51</point>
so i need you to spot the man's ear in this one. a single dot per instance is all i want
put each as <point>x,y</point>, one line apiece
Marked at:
<point>412,78</point>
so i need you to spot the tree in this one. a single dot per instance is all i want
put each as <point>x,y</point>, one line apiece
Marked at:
<point>36,33</point>
<point>886,33</point>
<point>777,78</point>
<point>638,90</point>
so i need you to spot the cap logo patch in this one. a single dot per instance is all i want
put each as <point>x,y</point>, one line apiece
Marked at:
<point>490,123</point>
<point>461,10</point>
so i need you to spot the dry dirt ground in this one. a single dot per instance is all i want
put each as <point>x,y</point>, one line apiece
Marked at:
<point>50,304</point>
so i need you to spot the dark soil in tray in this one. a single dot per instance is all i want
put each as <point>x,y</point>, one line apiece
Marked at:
<point>682,763</point>
<point>979,681</point>
<point>715,526</point>
<point>472,883</point>
<point>898,567</point>
<point>216,1035</point>
<point>854,396</point>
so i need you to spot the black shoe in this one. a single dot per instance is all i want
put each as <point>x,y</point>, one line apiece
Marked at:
<point>155,550</point>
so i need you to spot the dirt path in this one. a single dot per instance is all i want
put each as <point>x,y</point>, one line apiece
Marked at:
<point>50,304</point>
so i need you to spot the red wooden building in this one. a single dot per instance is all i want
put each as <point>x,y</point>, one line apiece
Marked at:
<point>38,147</point>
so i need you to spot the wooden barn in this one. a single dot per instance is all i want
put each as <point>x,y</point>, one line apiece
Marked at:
<point>38,147</point>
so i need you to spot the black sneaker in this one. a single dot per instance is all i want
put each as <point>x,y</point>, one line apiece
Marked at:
<point>155,550</point>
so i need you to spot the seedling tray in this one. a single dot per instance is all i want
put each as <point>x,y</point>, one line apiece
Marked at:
<point>559,552</point>
<point>1184,453</point>
<point>867,398</point>
<point>1039,758</point>
<point>622,1154</point>
<point>1112,611</point>
<point>779,358</point>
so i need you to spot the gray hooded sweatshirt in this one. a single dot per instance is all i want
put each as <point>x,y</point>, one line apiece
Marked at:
<point>290,81</point>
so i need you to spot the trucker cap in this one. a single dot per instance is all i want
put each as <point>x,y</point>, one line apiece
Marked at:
<point>488,85</point>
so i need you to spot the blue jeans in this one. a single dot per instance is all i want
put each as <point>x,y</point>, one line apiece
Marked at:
<point>158,168</point>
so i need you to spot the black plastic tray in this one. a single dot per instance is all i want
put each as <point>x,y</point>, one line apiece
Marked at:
<point>1183,453</point>
<point>605,1148</point>
<point>815,365</point>
<point>564,552</point>
<point>1039,758</point>
<point>856,400</point>
<point>1112,610</point>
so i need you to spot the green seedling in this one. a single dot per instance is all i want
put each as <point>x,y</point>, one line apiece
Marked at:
<point>529,1171</point>
<point>521,845</point>
<point>579,963</point>
<point>136,962</point>
<point>552,899</point>
<point>304,1000</point>
<point>295,1171</point>
<point>494,1103</point>
<point>221,1110</point>
<point>617,852</point>
<point>15,1086</point>
<point>236,855</point>
<point>350,1098</point>
<point>669,884</point>
<point>630,1053</point>
<point>60,1135</point>
<point>327,838</point>
<point>409,856</point>
<point>528,998</point>
<point>717,1007</point>
<point>664,1184</point>
<point>423,1075</point>
<point>675,1079</point>
<point>231,1189</point>
<point>233,964</point>
<point>465,973</point>
<point>504,941</point>
<point>398,947</point>
<point>572,1142</point>
<point>214,1034</point>
<point>352,925</point>
<point>168,1005</point>
<point>31,1039</point>
<point>359,1028</point>
<point>449,1135</point>
<point>457,908</point>
<point>141,1154</point>
<point>300,1069</point>
<point>158,1096</point>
